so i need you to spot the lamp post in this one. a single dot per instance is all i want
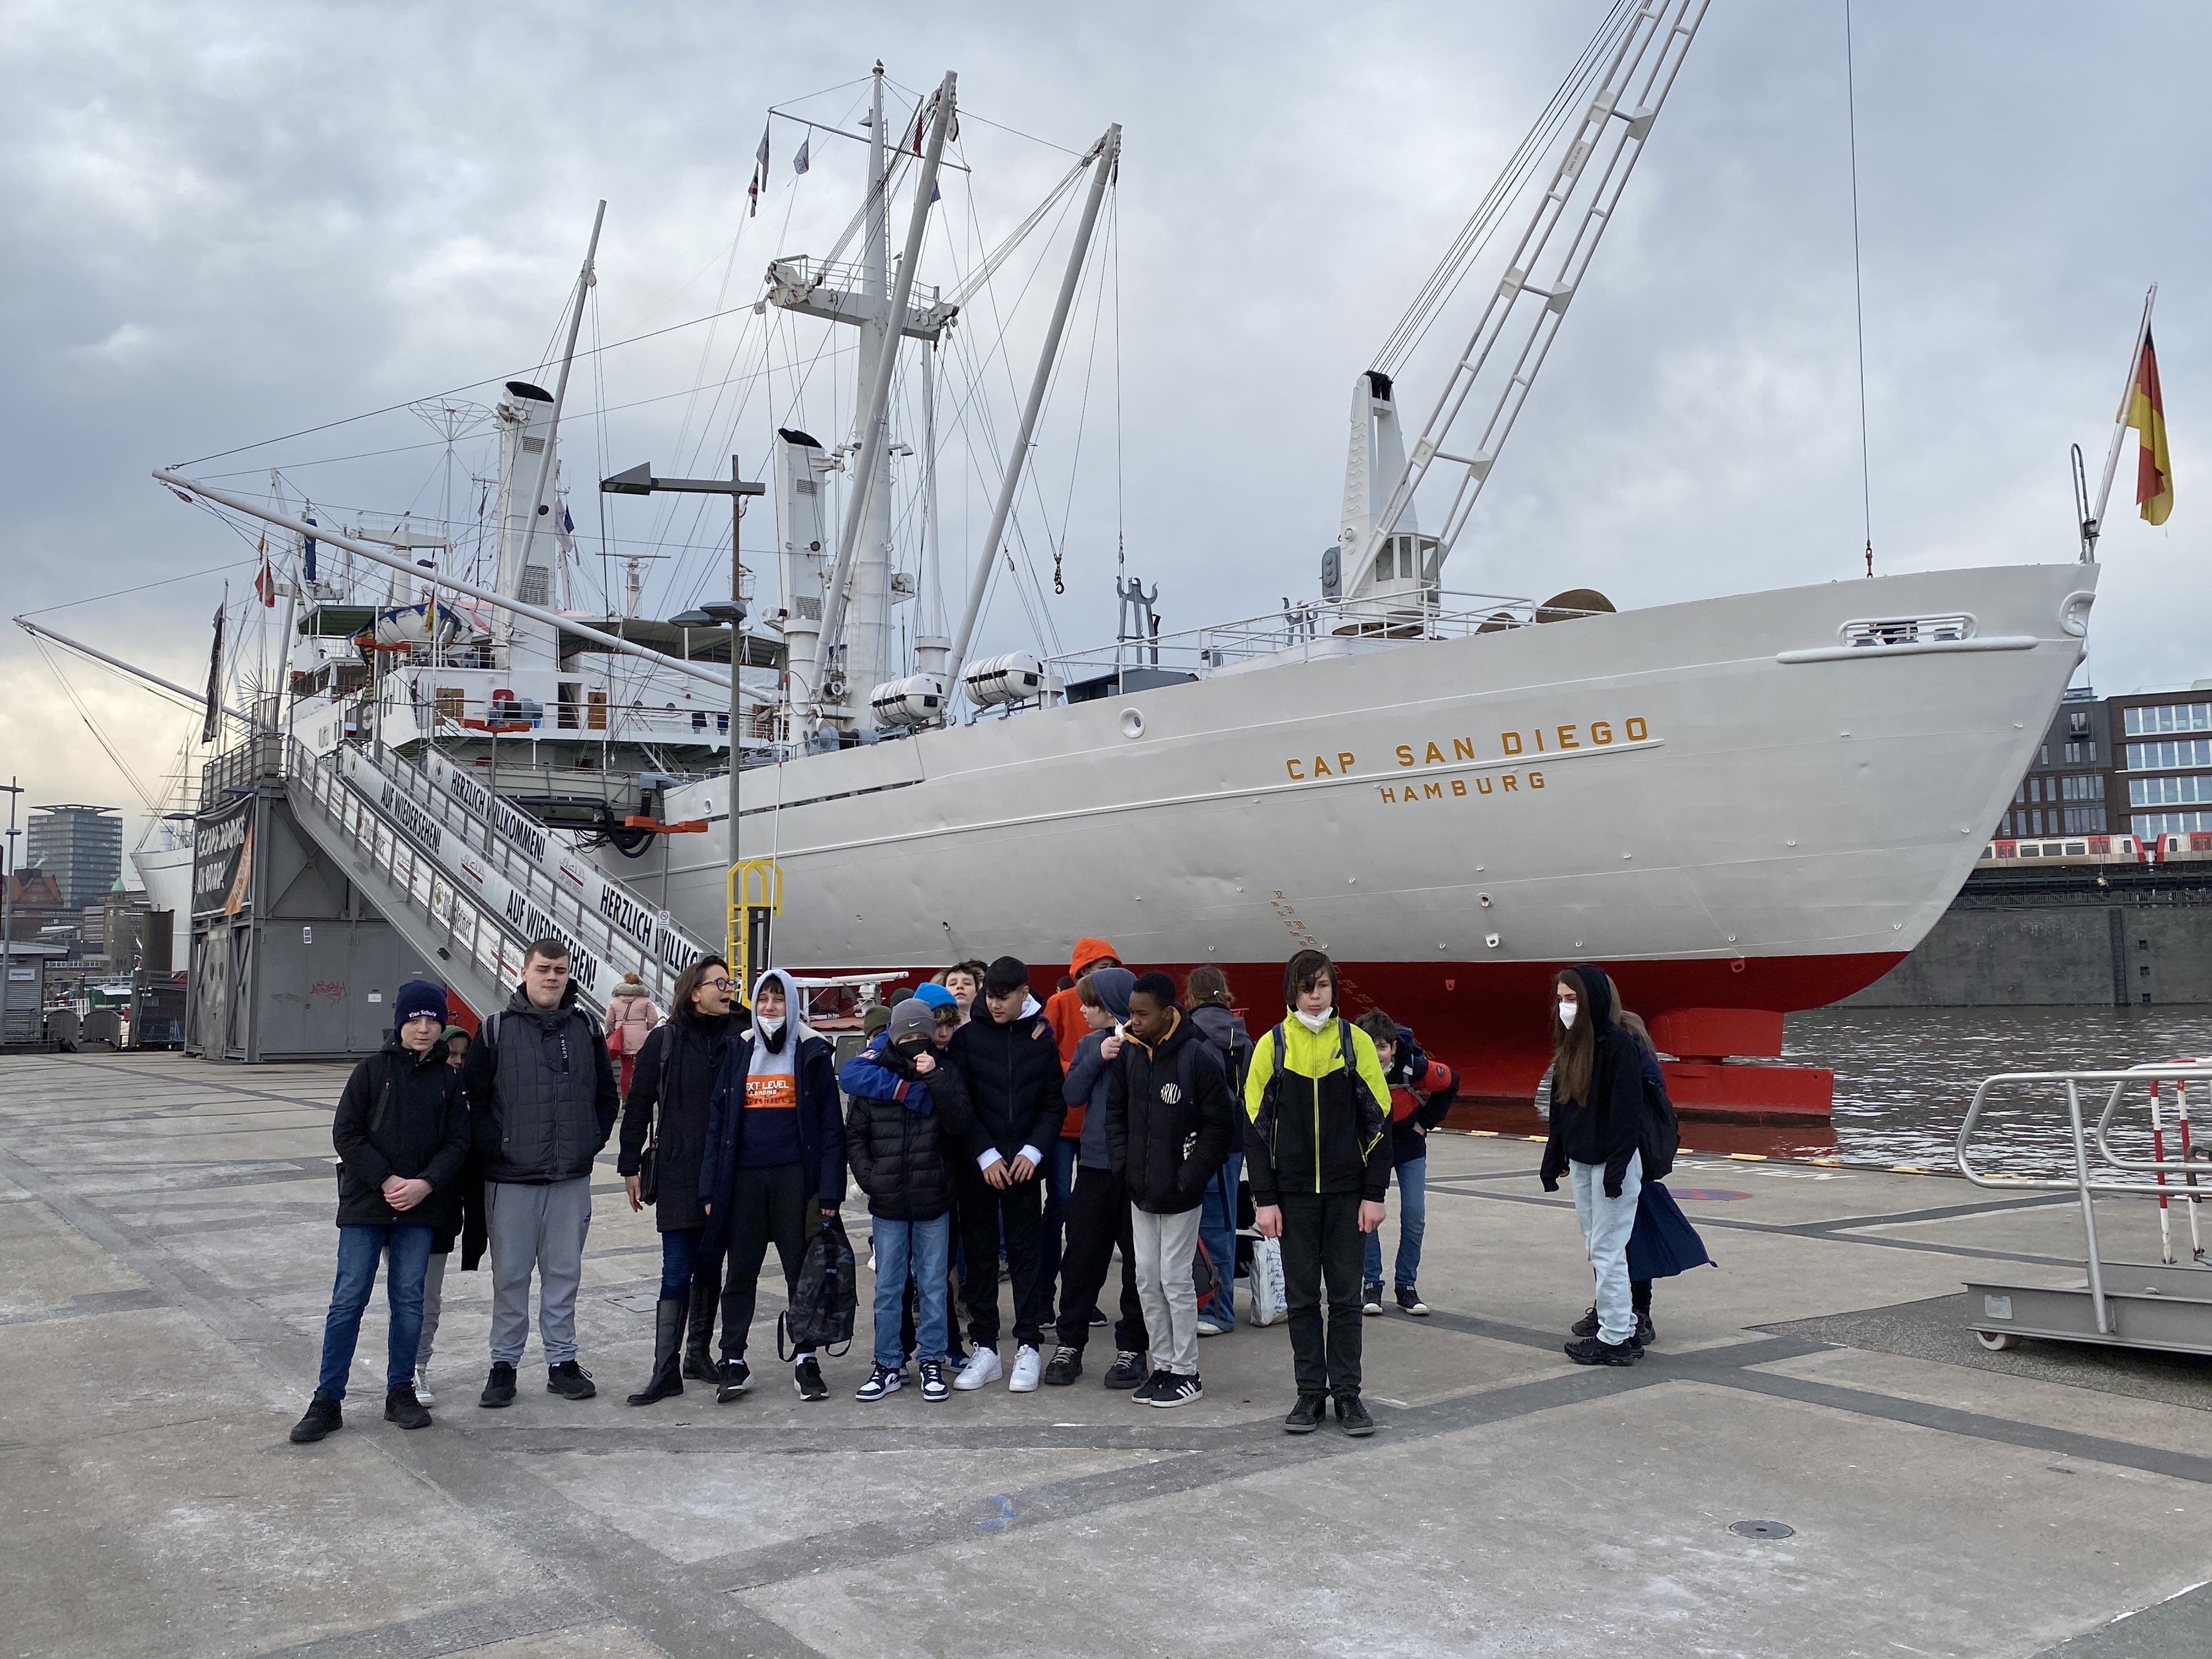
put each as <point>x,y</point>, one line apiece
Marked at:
<point>639,481</point>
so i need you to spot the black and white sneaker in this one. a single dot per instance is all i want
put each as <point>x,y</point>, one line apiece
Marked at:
<point>736,1377</point>
<point>883,1380</point>
<point>1370,1300</point>
<point>1148,1390</point>
<point>933,1385</point>
<point>1127,1371</point>
<point>1170,1391</point>
<point>1067,1365</point>
<point>1409,1301</point>
<point>806,1377</point>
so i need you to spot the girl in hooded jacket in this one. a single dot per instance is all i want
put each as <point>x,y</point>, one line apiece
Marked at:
<point>667,1102</point>
<point>775,1158</point>
<point>1597,1132</point>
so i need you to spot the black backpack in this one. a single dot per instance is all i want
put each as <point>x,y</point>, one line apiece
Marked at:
<point>823,1309</point>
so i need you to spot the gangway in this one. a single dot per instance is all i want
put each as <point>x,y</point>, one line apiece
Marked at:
<point>469,879</point>
<point>2125,1305</point>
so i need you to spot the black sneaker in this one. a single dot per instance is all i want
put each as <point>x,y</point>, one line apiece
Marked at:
<point>1067,1365</point>
<point>736,1377</point>
<point>401,1407</point>
<point>1409,1301</point>
<point>1351,1416</point>
<point>1596,1351</point>
<point>806,1377</point>
<point>1370,1299</point>
<point>1127,1371</point>
<point>1171,1391</point>
<point>499,1386</point>
<point>324,1417</point>
<point>570,1380</point>
<point>1586,1325</point>
<point>1306,1417</point>
<point>1148,1390</point>
<point>1646,1333</point>
<point>1098,1318</point>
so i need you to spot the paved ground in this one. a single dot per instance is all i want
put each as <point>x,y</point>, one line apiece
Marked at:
<point>166,1251</point>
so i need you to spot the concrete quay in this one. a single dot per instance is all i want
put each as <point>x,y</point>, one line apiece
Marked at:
<point>166,1257</point>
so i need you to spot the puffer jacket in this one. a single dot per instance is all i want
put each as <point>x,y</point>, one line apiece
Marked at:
<point>1319,1111</point>
<point>1169,1123</point>
<point>632,1016</point>
<point>1013,1080</point>
<point>903,1159</point>
<point>675,1074</point>
<point>542,1090</point>
<point>403,1115</point>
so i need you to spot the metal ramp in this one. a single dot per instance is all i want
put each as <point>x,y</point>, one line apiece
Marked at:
<point>468,879</point>
<point>2125,1305</point>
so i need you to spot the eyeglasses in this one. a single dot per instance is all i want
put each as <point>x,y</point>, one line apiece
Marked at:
<point>715,984</point>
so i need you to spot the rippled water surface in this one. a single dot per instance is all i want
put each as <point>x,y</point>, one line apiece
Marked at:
<point>1906,1076</point>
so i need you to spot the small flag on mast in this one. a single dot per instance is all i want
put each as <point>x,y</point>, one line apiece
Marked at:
<point>264,579</point>
<point>212,723</point>
<point>800,162</point>
<point>760,176</point>
<point>2146,415</point>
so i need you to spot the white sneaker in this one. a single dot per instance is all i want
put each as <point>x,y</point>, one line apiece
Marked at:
<point>1028,1365</point>
<point>422,1386</point>
<point>1207,1327</point>
<point>982,1367</point>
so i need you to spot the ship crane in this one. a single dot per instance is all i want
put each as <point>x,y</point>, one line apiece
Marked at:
<point>1379,555</point>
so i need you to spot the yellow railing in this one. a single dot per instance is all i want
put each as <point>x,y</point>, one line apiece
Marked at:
<point>755,896</point>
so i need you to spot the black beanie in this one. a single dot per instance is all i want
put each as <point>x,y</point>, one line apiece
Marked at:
<point>418,997</point>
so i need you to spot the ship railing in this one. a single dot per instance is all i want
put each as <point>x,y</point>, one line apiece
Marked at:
<point>1315,625</point>
<point>515,844</point>
<point>2114,1175</point>
<point>476,930</point>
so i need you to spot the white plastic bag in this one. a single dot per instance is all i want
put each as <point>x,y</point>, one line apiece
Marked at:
<point>1269,1301</point>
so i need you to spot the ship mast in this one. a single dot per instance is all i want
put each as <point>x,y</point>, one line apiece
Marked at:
<point>1518,325</point>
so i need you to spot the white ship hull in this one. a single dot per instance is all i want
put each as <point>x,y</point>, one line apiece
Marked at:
<point>1722,799</point>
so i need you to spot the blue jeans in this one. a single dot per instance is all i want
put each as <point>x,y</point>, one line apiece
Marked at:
<point>358,1251</point>
<point>918,1250</point>
<point>679,1255</point>
<point>1217,1230</point>
<point>1412,1178</point>
<point>1606,1223</point>
<point>1059,1177</point>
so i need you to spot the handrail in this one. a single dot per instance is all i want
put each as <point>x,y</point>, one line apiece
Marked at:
<point>2161,1165</point>
<point>2202,1073</point>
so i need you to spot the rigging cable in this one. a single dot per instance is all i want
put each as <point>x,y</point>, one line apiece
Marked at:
<point>1858,295</point>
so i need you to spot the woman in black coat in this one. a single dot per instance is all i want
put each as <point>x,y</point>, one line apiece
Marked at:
<point>670,1084</point>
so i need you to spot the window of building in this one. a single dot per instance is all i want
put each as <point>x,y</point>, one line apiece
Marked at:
<point>2082,785</point>
<point>2043,754</point>
<point>2147,824</point>
<point>2084,821</point>
<point>2168,717</point>
<point>2179,751</point>
<point>2020,795</point>
<point>2170,792</point>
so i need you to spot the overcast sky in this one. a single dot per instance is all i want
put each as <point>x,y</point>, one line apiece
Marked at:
<point>224,223</point>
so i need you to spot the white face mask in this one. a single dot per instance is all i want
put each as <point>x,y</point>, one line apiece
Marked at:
<point>1567,1012</point>
<point>768,1027</point>
<point>1314,1023</point>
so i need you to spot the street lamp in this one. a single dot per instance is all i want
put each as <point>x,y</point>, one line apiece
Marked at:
<point>639,481</point>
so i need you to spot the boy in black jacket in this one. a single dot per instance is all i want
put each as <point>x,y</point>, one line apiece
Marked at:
<point>1009,1063</point>
<point>402,1133</point>
<point>1169,1126</point>
<point>905,1137</point>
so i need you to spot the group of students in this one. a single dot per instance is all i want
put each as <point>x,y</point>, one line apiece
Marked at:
<point>982,1126</point>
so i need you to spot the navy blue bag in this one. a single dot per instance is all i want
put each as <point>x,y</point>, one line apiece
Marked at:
<point>1663,1243</point>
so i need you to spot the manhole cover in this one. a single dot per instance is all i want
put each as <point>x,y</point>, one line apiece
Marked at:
<point>1762,1529</point>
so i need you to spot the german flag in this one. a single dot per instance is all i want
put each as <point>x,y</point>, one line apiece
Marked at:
<point>2147,414</point>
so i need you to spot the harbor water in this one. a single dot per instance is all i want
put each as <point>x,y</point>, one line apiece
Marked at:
<point>1906,1076</point>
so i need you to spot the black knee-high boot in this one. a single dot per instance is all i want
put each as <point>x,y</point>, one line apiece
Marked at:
<point>699,1333</point>
<point>667,1340</point>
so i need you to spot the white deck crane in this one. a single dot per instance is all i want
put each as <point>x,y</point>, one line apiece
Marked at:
<point>1380,555</point>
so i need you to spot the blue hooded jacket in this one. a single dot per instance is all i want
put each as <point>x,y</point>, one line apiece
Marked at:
<point>1088,1075</point>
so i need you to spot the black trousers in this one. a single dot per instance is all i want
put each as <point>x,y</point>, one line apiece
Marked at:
<point>1322,1243</point>
<point>767,1207</point>
<point>986,1212</point>
<point>1098,1219</point>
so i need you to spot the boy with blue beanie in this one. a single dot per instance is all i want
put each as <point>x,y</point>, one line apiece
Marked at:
<point>402,1134</point>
